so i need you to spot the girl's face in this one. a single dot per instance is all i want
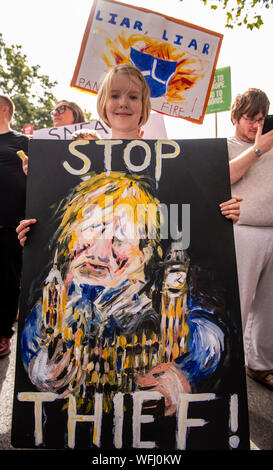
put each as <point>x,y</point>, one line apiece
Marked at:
<point>124,106</point>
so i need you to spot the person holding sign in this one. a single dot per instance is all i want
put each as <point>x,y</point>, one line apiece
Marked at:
<point>251,167</point>
<point>133,110</point>
<point>103,268</point>
<point>64,114</point>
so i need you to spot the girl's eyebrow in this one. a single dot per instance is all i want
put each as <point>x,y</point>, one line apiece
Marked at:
<point>130,90</point>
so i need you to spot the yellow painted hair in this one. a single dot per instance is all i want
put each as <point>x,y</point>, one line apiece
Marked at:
<point>100,190</point>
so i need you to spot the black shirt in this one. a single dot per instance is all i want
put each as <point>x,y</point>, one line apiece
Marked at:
<point>12,178</point>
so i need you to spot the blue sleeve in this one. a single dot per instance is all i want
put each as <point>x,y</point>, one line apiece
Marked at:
<point>208,325</point>
<point>32,334</point>
<point>205,348</point>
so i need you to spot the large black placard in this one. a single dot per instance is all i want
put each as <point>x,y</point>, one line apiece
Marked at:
<point>129,342</point>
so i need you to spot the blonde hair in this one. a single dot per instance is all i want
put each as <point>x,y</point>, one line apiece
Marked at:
<point>85,134</point>
<point>105,89</point>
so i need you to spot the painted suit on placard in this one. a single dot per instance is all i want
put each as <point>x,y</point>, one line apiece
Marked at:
<point>102,348</point>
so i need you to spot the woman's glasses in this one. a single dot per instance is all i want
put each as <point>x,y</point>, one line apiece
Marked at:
<point>253,121</point>
<point>60,110</point>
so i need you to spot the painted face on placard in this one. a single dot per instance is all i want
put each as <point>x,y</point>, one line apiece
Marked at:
<point>106,253</point>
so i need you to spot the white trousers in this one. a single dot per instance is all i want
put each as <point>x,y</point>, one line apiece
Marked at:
<point>254,253</point>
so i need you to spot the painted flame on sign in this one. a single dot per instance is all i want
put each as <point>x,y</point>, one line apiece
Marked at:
<point>185,69</point>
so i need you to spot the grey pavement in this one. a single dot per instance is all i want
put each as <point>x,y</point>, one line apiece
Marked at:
<point>260,406</point>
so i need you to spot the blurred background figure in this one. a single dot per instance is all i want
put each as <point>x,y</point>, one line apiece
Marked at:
<point>66,113</point>
<point>86,134</point>
<point>251,169</point>
<point>12,194</point>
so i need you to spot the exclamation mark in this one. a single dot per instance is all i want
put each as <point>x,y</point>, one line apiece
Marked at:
<point>234,440</point>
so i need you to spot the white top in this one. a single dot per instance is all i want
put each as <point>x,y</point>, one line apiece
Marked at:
<point>256,186</point>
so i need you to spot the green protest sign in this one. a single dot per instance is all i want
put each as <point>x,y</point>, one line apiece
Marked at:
<point>220,96</point>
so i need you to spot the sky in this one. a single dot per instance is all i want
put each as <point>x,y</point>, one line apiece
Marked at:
<point>51,33</point>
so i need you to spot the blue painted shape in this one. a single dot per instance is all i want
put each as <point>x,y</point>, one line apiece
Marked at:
<point>157,72</point>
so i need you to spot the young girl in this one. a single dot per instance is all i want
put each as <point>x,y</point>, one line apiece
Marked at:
<point>124,105</point>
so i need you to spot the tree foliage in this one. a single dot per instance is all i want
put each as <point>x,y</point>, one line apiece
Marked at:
<point>241,12</point>
<point>31,92</point>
